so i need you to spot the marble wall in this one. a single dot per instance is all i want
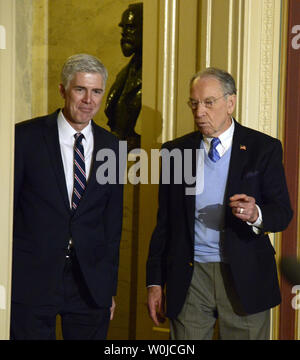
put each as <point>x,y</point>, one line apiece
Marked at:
<point>23,89</point>
<point>31,43</point>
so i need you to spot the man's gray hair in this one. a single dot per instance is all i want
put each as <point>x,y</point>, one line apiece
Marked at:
<point>226,80</point>
<point>82,63</point>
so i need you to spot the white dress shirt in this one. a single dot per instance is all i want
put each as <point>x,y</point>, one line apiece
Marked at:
<point>66,141</point>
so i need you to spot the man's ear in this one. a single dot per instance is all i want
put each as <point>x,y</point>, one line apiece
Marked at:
<point>62,91</point>
<point>231,102</point>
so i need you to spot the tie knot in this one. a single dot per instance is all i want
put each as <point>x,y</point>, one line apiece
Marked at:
<point>215,142</point>
<point>78,137</point>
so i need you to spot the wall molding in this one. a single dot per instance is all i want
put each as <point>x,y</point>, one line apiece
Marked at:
<point>7,116</point>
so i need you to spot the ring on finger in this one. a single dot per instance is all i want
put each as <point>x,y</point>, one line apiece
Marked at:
<point>241,210</point>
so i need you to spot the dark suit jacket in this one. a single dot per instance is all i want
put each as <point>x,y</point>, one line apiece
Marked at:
<point>256,170</point>
<point>44,223</point>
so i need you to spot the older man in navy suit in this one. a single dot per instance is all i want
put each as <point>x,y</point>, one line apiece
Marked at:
<point>211,249</point>
<point>67,225</point>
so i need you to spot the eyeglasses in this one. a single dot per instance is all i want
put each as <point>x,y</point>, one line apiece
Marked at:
<point>208,103</point>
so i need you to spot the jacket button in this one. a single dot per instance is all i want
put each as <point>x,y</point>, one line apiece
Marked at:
<point>190,263</point>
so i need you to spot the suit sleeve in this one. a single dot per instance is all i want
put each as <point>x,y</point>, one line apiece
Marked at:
<point>275,207</point>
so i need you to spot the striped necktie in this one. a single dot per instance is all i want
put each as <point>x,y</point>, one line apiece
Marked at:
<point>213,152</point>
<point>79,171</point>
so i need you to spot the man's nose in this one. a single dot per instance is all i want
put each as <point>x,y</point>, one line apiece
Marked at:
<point>200,110</point>
<point>87,97</point>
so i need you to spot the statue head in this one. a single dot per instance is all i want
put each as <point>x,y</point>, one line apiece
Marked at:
<point>132,29</point>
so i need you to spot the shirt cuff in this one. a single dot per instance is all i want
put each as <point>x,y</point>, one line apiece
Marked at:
<point>258,224</point>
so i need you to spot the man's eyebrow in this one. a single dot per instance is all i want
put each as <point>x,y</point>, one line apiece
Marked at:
<point>207,98</point>
<point>84,87</point>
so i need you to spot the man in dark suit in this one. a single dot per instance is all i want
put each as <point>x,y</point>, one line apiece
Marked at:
<point>211,250</point>
<point>67,222</point>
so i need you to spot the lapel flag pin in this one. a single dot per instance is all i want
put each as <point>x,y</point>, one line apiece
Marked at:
<point>243,147</point>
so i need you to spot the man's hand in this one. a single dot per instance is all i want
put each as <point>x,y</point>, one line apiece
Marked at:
<point>156,304</point>
<point>112,308</point>
<point>243,207</point>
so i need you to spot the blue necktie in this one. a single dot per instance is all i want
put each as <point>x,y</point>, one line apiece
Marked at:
<point>79,171</point>
<point>213,152</point>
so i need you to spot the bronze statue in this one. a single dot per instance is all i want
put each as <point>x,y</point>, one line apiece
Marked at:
<point>123,103</point>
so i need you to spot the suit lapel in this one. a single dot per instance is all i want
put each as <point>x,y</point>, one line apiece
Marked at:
<point>92,176</point>
<point>52,141</point>
<point>238,159</point>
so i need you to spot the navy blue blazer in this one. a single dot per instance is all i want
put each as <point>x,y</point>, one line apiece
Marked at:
<point>44,223</point>
<point>256,170</point>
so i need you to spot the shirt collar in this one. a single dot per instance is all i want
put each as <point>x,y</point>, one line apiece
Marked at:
<point>225,137</point>
<point>66,131</point>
